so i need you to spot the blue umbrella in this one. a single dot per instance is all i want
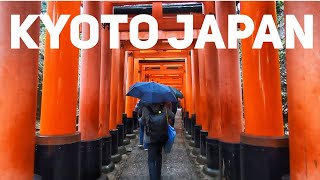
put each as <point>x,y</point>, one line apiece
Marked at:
<point>176,92</point>
<point>152,92</point>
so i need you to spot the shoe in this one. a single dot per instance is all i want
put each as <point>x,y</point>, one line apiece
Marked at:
<point>146,149</point>
<point>140,145</point>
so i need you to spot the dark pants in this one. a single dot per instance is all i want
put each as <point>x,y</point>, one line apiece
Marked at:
<point>141,133</point>
<point>155,160</point>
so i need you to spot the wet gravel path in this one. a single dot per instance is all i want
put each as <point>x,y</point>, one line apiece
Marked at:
<point>175,165</point>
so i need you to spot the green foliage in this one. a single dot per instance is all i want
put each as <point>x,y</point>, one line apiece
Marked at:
<point>42,38</point>
<point>282,57</point>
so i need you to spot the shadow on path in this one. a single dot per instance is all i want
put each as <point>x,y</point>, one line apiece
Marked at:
<point>175,165</point>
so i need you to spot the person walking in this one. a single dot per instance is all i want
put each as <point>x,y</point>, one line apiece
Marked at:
<point>155,117</point>
<point>138,109</point>
<point>174,110</point>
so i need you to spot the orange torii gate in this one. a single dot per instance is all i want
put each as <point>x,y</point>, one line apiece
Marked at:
<point>264,133</point>
<point>230,97</point>
<point>59,102</point>
<point>303,98</point>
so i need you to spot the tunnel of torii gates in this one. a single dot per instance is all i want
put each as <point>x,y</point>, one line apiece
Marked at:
<point>253,147</point>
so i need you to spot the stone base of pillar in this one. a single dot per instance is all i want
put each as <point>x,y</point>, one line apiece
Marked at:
<point>121,134</point>
<point>108,168</point>
<point>129,125</point>
<point>115,156</point>
<point>213,165</point>
<point>215,173</point>
<point>192,124</point>
<point>122,150</point>
<point>186,120</point>
<point>203,143</point>
<point>191,143</point>
<point>201,159</point>
<point>196,137</point>
<point>230,159</point>
<point>188,137</point>
<point>91,159</point>
<point>126,141</point>
<point>195,151</point>
<point>264,157</point>
<point>107,164</point>
<point>57,156</point>
<point>189,124</point>
<point>131,136</point>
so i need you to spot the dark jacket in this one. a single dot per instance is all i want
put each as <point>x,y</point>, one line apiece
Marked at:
<point>145,116</point>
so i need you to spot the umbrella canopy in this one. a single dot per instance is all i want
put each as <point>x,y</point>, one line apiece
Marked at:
<point>152,92</point>
<point>176,92</point>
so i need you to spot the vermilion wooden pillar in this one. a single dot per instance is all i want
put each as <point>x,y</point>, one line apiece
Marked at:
<point>89,100</point>
<point>195,101</point>
<point>136,76</point>
<point>263,139</point>
<point>127,100</point>
<point>105,82</point>
<point>115,68</point>
<point>120,102</point>
<point>203,108</point>
<point>212,89</point>
<point>18,79</point>
<point>183,102</point>
<point>124,84</point>
<point>59,103</point>
<point>131,120</point>
<point>213,96</point>
<point>60,80</point>
<point>195,83</point>
<point>186,93</point>
<point>261,79</point>
<point>189,85</point>
<point>137,72</point>
<point>130,81</point>
<point>157,10</point>
<point>303,67</point>
<point>230,96</point>
<point>188,98</point>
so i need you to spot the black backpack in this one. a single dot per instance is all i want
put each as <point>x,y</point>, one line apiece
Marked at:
<point>157,125</point>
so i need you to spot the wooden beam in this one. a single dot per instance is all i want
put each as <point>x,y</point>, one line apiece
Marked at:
<point>171,81</point>
<point>165,76</point>
<point>161,35</point>
<point>163,67</point>
<point>180,64</point>
<point>166,23</point>
<point>180,71</point>
<point>159,46</point>
<point>161,54</point>
<point>133,2</point>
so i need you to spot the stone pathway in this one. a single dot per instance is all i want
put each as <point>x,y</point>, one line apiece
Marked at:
<point>176,165</point>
